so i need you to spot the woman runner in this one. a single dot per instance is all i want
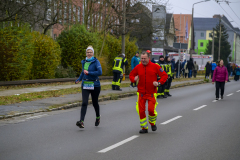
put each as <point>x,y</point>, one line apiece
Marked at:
<point>91,69</point>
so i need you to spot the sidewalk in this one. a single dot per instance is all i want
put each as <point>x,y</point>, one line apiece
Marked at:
<point>47,88</point>
<point>45,103</point>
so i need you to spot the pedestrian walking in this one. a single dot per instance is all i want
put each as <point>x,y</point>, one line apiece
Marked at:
<point>147,73</point>
<point>213,66</point>
<point>169,73</point>
<point>183,70</point>
<point>229,70</point>
<point>118,64</point>
<point>237,73</point>
<point>91,69</point>
<point>161,88</point>
<point>208,70</point>
<point>186,70</point>
<point>195,69</point>
<point>220,76</point>
<point>190,67</point>
<point>176,68</point>
<point>134,62</point>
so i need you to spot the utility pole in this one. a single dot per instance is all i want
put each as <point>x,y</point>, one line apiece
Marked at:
<point>220,32</point>
<point>124,25</point>
<point>213,45</point>
<point>180,27</point>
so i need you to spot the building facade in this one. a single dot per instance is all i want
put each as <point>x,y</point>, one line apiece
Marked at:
<point>203,28</point>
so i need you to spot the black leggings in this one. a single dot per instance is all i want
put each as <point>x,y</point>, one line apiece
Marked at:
<point>85,96</point>
<point>219,85</point>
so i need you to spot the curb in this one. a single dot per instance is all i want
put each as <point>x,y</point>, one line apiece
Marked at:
<point>114,97</point>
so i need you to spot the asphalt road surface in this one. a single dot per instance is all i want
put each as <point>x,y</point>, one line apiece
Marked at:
<point>191,126</point>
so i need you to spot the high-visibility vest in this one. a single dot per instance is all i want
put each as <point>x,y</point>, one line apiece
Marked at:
<point>119,63</point>
<point>163,66</point>
<point>169,69</point>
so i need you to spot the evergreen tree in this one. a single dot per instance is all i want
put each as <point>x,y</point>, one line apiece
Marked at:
<point>225,48</point>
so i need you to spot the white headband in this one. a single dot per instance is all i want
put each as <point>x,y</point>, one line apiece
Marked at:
<point>90,49</point>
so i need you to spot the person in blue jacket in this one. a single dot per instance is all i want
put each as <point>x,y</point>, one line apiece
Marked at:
<point>91,69</point>
<point>134,62</point>
<point>213,65</point>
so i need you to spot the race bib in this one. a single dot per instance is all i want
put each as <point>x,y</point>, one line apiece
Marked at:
<point>88,85</point>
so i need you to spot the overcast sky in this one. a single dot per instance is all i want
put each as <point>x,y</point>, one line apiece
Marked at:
<point>207,9</point>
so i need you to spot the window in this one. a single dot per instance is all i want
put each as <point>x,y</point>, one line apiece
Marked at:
<point>194,34</point>
<point>55,36</point>
<point>60,12</point>
<point>210,34</point>
<point>74,13</point>
<point>202,34</point>
<point>48,17</point>
<point>201,44</point>
<point>78,14</point>
<point>65,12</point>
<point>70,12</point>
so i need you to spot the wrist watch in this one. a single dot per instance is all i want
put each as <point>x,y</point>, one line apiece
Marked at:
<point>159,83</point>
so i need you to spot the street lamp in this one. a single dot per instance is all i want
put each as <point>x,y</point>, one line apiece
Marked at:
<point>192,36</point>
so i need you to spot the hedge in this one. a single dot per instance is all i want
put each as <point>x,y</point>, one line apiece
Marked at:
<point>46,57</point>
<point>16,50</point>
<point>73,43</point>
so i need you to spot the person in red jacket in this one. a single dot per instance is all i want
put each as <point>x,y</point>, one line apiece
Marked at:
<point>147,73</point>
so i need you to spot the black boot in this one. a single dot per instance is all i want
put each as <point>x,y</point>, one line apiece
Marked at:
<point>113,87</point>
<point>142,131</point>
<point>168,94</point>
<point>164,96</point>
<point>154,128</point>
<point>118,88</point>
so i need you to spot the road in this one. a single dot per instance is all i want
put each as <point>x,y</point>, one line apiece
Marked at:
<point>191,126</point>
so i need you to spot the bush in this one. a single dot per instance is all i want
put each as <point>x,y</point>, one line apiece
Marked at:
<point>113,47</point>
<point>17,51</point>
<point>65,72</point>
<point>73,43</point>
<point>46,57</point>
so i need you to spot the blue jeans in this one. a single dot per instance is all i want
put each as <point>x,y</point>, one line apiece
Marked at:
<point>190,74</point>
<point>176,74</point>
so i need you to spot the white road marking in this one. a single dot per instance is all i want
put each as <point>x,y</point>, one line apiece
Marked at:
<point>214,100</point>
<point>118,144</point>
<point>230,94</point>
<point>173,119</point>
<point>238,91</point>
<point>200,107</point>
<point>36,116</point>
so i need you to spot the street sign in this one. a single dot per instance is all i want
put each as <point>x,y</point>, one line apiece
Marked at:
<point>180,45</point>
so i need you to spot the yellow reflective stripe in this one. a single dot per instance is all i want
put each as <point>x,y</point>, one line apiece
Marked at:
<point>166,90</point>
<point>137,108</point>
<point>145,126</point>
<point>155,112</point>
<point>113,83</point>
<point>118,82</point>
<point>144,119</point>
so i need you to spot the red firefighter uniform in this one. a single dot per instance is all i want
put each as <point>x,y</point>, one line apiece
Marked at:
<point>147,91</point>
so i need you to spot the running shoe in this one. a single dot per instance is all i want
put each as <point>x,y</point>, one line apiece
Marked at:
<point>80,124</point>
<point>97,122</point>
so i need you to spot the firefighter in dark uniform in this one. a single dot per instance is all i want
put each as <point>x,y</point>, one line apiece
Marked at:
<point>169,73</point>
<point>118,64</point>
<point>161,88</point>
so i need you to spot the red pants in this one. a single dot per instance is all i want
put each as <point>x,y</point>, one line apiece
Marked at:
<point>141,108</point>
